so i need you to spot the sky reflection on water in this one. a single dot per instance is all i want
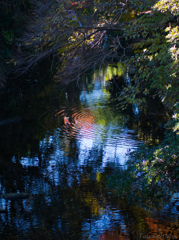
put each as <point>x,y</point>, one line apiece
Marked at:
<point>95,138</point>
<point>64,171</point>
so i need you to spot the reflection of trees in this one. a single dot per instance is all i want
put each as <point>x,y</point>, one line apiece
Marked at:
<point>64,193</point>
<point>54,210</point>
<point>140,225</point>
<point>67,193</point>
<point>24,136</point>
<point>73,199</point>
<point>148,121</point>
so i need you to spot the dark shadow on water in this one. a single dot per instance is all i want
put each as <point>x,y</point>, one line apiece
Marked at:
<point>63,162</point>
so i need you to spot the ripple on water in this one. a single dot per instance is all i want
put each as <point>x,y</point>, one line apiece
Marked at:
<point>80,124</point>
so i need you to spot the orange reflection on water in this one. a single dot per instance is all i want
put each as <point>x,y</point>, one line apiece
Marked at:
<point>114,234</point>
<point>155,230</point>
<point>78,122</point>
<point>161,231</point>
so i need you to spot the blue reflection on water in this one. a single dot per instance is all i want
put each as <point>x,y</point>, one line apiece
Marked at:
<point>95,137</point>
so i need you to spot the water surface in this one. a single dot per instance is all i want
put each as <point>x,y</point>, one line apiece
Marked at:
<point>60,150</point>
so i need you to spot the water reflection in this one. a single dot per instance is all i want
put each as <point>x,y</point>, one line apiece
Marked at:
<point>97,127</point>
<point>61,156</point>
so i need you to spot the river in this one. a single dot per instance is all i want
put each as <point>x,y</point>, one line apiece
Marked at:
<point>60,146</point>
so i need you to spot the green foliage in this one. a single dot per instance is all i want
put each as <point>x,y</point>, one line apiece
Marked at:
<point>81,34</point>
<point>155,54</point>
<point>152,171</point>
<point>171,6</point>
<point>77,31</point>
